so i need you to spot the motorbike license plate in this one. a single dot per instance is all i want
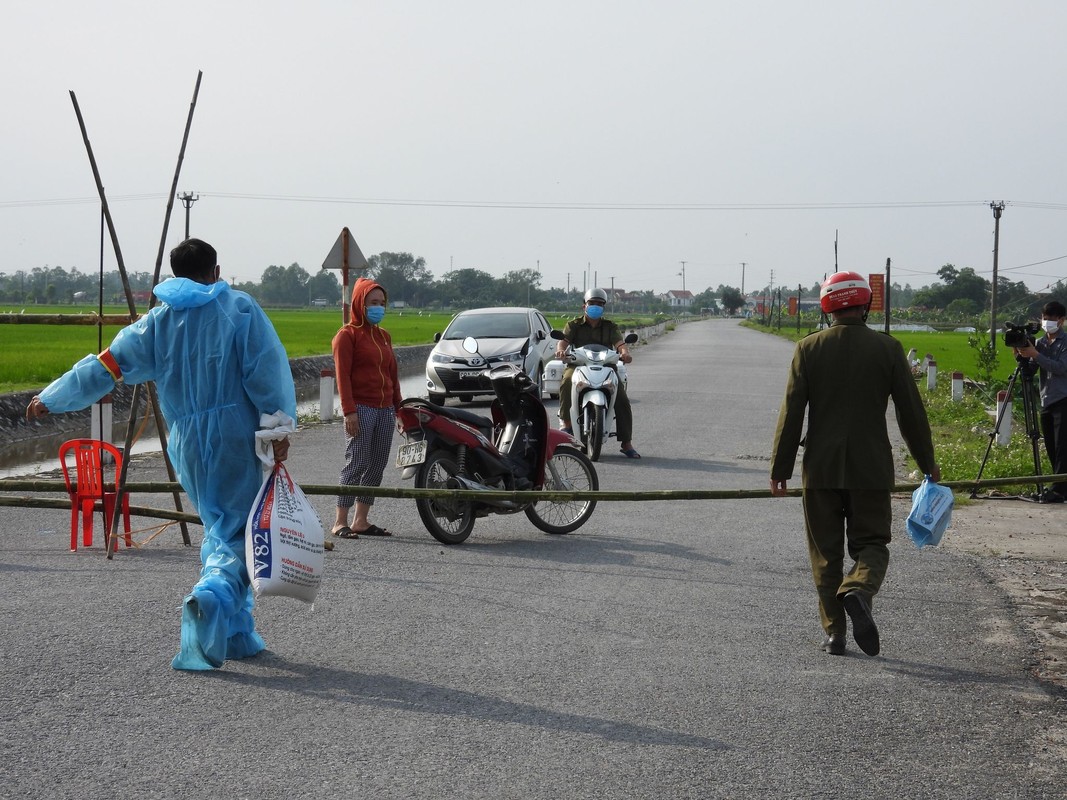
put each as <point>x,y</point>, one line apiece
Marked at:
<point>408,455</point>
<point>473,373</point>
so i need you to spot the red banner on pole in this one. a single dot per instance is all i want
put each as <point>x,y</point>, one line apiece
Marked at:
<point>793,306</point>
<point>877,282</point>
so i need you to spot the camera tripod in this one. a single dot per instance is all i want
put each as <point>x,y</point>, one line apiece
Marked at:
<point>1024,375</point>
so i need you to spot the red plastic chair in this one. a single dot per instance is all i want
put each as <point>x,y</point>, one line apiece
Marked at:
<point>88,490</point>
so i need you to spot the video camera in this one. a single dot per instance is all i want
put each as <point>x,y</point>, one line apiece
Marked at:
<point>1020,335</point>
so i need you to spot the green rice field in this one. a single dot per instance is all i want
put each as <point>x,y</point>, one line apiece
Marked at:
<point>950,350</point>
<point>31,356</point>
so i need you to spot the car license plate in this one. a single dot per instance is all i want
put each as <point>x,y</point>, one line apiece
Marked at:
<point>470,373</point>
<point>408,455</point>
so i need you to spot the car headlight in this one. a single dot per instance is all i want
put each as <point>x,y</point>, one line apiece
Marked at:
<point>441,358</point>
<point>510,358</point>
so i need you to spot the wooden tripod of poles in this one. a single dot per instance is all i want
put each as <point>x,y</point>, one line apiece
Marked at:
<point>150,388</point>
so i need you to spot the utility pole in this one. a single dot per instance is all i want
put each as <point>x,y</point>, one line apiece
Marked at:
<point>888,292</point>
<point>998,209</point>
<point>188,198</point>
<point>682,273</point>
<point>742,279</point>
<point>769,312</point>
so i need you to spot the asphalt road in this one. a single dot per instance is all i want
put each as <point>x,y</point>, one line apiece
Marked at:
<point>665,650</point>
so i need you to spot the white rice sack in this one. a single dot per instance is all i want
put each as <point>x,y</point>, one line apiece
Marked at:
<point>284,540</point>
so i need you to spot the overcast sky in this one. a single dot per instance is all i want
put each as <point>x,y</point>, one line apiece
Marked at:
<point>615,138</point>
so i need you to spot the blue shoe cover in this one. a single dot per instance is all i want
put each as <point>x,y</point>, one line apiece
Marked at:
<point>202,648</point>
<point>245,645</point>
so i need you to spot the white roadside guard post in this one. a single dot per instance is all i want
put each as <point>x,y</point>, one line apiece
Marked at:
<point>101,424</point>
<point>957,387</point>
<point>931,376</point>
<point>326,387</point>
<point>1004,415</point>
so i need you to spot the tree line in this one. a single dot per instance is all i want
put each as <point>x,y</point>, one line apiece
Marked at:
<point>960,293</point>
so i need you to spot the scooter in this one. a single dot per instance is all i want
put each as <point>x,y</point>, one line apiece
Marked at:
<point>598,374</point>
<point>517,449</point>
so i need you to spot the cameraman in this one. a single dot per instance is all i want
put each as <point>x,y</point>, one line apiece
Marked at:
<point>1050,354</point>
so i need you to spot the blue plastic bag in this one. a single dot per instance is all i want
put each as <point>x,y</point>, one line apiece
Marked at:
<point>931,512</point>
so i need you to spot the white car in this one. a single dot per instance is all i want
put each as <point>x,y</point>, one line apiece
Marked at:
<point>505,335</point>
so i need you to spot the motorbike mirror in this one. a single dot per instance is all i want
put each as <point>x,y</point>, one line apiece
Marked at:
<point>556,334</point>
<point>631,338</point>
<point>470,344</point>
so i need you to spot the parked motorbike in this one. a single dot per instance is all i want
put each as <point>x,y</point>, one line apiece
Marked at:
<point>598,374</point>
<point>517,449</point>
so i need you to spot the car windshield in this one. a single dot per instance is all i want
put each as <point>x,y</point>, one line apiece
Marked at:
<point>489,326</point>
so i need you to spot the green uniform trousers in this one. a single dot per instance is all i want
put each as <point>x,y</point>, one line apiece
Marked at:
<point>860,518</point>
<point>624,415</point>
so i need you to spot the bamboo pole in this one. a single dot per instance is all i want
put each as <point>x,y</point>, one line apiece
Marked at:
<point>107,211</point>
<point>174,186</point>
<point>136,511</point>
<point>90,318</point>
<point>161,425</point>
<point>162,487</point>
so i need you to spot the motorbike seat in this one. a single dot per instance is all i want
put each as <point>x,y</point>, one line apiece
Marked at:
<point>484,424</point>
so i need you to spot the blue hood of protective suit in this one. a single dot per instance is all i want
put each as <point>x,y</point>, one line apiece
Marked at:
<point>184,293</point>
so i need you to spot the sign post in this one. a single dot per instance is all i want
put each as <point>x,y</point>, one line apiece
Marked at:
<point>345,255</point>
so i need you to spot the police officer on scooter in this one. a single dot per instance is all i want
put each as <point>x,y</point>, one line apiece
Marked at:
<point>592,328</point>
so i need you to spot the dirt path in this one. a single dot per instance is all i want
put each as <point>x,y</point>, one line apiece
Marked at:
<point>1023,547</point>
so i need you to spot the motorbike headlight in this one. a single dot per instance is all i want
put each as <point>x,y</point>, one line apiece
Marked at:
<point>609,379</point>
<point>580,384</point>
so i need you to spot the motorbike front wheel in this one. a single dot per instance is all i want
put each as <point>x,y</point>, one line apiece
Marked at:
<point>569,470</point>
<point>449,521</point>
<point>593,434</point>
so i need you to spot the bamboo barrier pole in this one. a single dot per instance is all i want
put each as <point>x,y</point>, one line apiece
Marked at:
<point>90,318</point>
<point>64,505</point>
<point>653,495</point>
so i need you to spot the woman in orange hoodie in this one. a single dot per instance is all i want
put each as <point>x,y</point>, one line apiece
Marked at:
<point>367,381</point>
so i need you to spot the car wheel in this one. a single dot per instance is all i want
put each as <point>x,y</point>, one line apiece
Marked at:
<point>436,399</point>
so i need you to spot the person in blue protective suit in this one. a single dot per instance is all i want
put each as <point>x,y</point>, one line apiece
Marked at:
<point>222,375</point>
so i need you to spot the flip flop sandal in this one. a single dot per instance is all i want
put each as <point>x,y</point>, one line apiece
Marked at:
<point>374,530</point>
<point>345,532</point>
<point>630,453</point>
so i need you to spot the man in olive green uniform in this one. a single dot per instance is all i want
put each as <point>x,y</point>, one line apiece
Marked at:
<point>592,328</point>
<point>844,375</point>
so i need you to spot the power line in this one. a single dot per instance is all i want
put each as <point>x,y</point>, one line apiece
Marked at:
<point>506,204</point>
<point>74,201</point>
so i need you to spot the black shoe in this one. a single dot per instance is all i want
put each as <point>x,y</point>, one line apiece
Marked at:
<point>834,644</point>
<point>1049,496</point>
<point>864,631</point>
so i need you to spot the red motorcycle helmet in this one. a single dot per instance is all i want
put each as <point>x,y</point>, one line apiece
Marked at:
<point>844,290</point>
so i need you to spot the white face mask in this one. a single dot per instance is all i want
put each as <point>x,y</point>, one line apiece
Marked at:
<point>1050,325</point>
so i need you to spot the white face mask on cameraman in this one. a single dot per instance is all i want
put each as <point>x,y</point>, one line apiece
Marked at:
<point>1050,325</point>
